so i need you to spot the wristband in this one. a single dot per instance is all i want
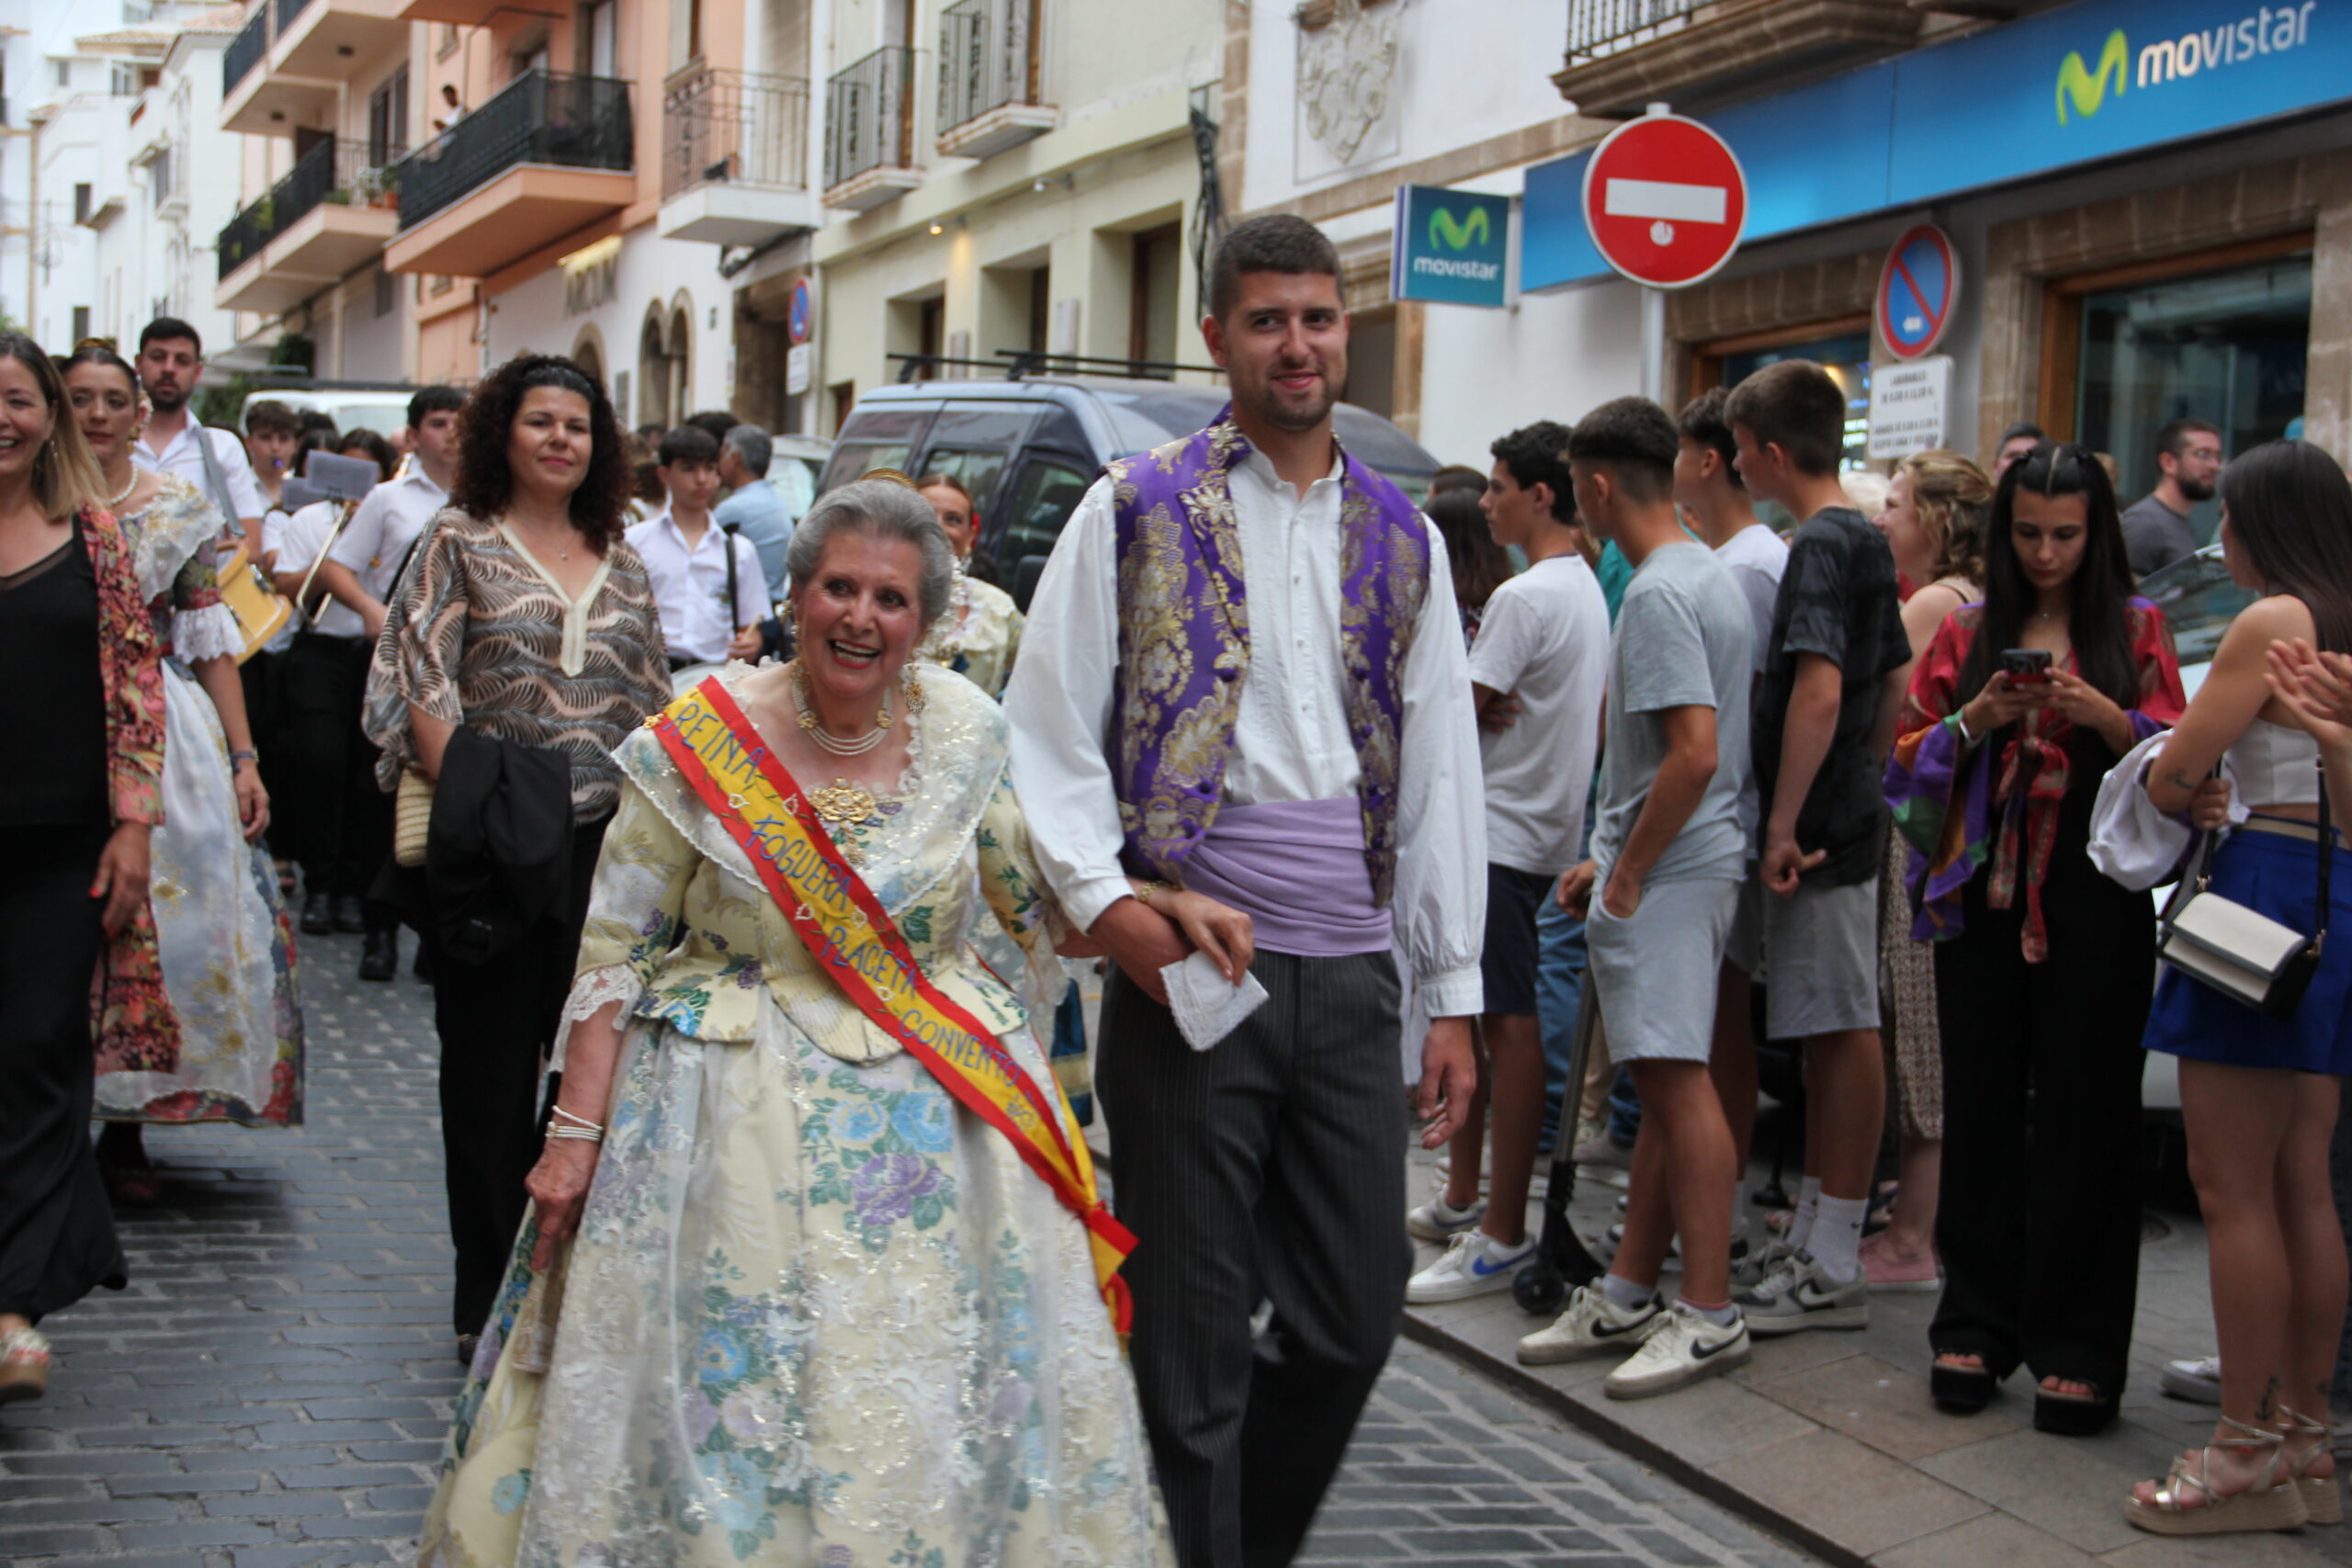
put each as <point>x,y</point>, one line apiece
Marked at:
<point>1959,722</point>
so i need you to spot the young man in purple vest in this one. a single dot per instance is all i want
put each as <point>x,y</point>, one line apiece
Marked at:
<point>1244,676</point>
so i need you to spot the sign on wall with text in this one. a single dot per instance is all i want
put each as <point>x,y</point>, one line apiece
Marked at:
<point>1452,247</point>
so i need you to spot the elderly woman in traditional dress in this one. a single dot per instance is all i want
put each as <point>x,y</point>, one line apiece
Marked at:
<point>833,1281</point>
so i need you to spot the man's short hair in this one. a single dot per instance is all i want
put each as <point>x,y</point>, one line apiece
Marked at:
<point>750,444</point>
<point>272,417</point>
<point>316,419</point>
<point>1633,440</point>
<point>1538,454</point>
<point>2173,439</point>
<point>688,443</point>
<point>1795,405</point>
<point>1702,422</point>
<point>429,400</point>
<point>165,327</point>
<point>2023,430</point>
<point>718,422</point>
<point>1276,242</point>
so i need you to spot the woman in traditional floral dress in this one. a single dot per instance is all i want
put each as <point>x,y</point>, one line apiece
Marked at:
<point>225,946</point>
<point>841,1292</point>
<point>980,633</point>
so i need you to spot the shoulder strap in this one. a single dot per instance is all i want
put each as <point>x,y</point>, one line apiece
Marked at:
<point>215,481</point>
<point>2326,853</point>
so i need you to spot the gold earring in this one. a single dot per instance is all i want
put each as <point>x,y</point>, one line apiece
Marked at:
<point>913,687</point>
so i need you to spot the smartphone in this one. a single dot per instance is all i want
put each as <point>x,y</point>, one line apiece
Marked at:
<point>2026,666</point>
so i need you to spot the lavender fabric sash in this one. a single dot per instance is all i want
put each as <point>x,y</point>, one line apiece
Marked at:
<point>1296,868</point>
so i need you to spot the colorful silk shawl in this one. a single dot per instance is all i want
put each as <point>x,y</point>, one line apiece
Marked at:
<point>1953,810</point>
<point>1184,641</point>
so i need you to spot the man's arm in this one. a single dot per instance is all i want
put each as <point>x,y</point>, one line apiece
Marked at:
<point>1814,702</point>
<point>1890,709</point>
<point>1674,791</point>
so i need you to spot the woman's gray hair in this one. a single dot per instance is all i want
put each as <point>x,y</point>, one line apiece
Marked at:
<point>884,509</point>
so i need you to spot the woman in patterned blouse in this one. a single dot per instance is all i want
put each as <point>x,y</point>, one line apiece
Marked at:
<point>526,616</point>
<point>78,667</point>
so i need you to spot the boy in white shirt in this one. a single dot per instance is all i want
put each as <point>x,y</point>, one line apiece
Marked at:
<point>686,557</point>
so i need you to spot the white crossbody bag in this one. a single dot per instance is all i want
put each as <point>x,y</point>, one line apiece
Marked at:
<point>2244,954</point>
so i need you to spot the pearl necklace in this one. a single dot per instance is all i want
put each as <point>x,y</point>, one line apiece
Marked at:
<point>124,494</point>
<point>805,714</point>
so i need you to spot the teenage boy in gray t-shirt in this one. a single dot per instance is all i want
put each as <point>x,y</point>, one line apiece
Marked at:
<point>1657,896</point>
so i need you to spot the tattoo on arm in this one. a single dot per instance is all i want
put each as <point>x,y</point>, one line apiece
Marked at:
<point>2180,779</point>
<point>2268,1409</point>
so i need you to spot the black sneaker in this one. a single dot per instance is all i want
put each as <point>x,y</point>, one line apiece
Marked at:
<point>318,915</point>
<point>380,957</point>
<point>349,917</point>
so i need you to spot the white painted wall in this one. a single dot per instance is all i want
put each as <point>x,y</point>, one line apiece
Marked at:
<point>530,318</point>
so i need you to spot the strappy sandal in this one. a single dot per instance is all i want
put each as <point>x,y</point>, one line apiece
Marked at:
<point>2322,1501</point>
<point>23,1365</point>
<point>2271,1504</point>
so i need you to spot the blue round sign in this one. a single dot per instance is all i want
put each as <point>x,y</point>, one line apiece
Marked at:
<point>800,315</point>
<point>1917,290</point>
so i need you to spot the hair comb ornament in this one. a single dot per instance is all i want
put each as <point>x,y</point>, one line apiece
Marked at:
<point>890,476</point>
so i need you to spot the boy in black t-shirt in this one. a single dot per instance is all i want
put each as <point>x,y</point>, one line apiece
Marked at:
<point>1825,716</point>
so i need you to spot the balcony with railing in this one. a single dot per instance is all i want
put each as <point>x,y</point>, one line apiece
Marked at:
<point>735,158</point>
<point>1623,54</point>
<point>988,77</point>
<point>326,218</point>
<point>549,154</point>
<point>870,131</point>
<point>290,64</point>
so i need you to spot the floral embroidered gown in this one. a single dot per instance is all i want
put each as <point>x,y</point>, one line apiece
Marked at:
<point>816,1314</point>
<point>978,637</point>
<point>222,934</point>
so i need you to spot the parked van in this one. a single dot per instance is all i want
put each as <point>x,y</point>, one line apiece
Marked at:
<point>383,410</point>
<point>1027,449</point>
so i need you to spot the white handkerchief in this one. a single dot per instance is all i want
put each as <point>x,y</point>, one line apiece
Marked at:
<point>1206,1008</point>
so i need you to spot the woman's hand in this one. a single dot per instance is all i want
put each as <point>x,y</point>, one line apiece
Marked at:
<point>558,1187</point>
<point>1221,931</point>
<point>2085,706</point>
<point>1998,704</point>
<point>2316,687</point>
<point>122,876</point>
<point>253,800</point>
<point>2209,806</point>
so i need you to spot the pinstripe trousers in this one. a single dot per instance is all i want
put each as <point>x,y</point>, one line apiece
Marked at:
<point>1267,1168</point>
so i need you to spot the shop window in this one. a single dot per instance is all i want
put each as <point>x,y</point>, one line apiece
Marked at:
<point>1842,347</point>
<point>2221,336</point>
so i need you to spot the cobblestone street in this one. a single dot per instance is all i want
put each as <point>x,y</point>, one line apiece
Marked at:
<point>271,1389</point>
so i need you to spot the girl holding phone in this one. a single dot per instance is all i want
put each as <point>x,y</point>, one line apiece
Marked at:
<point>2043,967</point>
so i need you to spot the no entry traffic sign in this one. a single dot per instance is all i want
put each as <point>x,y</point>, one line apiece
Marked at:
<point>1916,290</point>
<point>1665,201</point>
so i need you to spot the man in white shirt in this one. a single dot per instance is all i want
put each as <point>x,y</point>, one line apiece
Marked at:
<point>1313,763</point>
<point>171,359</point>
<point>1542,656</point>
<point>686,555</point>
<point>359,570</point>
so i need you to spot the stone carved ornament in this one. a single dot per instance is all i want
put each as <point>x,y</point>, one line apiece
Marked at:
<point>1345,67</point>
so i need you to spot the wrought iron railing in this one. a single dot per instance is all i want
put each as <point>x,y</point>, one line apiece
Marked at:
<point>869,116</point>
<point>286,11</point>
<point>244,50</point>
<point>1603,27</point>
<point>542,116</point>
<point>331,171</point>
<point>735,128</point>
<point>988,58</point>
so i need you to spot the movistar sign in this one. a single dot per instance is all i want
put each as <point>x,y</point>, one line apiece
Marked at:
<point>2269,30</point>
<point>1450,246</point>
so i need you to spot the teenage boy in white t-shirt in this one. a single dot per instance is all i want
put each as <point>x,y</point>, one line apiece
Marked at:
<point>1541,654</point>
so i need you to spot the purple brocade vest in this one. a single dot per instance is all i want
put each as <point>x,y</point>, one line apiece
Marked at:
<point>1184,642</point>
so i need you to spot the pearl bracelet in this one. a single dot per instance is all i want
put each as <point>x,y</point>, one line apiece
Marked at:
<point>584,1134</point>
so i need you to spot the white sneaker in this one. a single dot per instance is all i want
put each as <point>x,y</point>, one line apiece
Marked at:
<point>1604,1249</point>
<point>1797,1295</point>
<point>1435,1221</point>
<point>1474,1265</point>
<point>1592,1325</point>
<point>2199,1379</point>
<point>1683,1349</point>
<point>1750,1271</point>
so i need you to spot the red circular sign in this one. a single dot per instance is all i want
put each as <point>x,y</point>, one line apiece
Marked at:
<point>1665,201</point>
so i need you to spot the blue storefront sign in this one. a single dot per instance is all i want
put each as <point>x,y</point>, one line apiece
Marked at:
<point>2071,87</point>
<point>1451,246</point>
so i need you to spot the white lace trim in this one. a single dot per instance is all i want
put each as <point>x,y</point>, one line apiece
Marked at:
<point>209,633</point>
<point>591,994</point>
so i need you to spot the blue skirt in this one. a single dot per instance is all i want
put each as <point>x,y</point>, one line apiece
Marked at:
<point>2278,876</point>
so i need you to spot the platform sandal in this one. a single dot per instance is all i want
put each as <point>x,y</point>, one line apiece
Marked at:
<point>2273,1503</point>
<point>2073,1414</point>
<point>2322,1501</point>
<point>23,1365</point>
<point>1961,1390</point>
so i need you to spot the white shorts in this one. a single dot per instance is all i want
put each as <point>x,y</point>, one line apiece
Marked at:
<point>1656,969</point>
<point>1822,947</point>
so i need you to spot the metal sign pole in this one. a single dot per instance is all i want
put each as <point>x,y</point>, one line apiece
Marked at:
<point>1654,343</point>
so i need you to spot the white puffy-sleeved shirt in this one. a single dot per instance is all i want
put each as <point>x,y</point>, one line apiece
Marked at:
<point>1290,739</point>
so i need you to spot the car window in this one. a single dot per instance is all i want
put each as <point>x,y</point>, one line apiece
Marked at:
<point>1031,516</point>
<point>975,469</point>
<point>2199,601</point>
<point>852,459</point>
<point>873,438</point>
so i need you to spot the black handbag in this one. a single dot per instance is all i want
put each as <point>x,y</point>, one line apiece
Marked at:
<point>2241,952</point>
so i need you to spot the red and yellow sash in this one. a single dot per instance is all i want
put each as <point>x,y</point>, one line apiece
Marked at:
<point>845,926</point>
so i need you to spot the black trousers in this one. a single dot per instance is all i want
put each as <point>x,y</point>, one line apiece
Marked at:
<point>497,1022</point>
<point>57,1236</point>
<point>345,825</point>
<point>2038,1215</point>
<point>262,677</point>
<point>1268,1167</point>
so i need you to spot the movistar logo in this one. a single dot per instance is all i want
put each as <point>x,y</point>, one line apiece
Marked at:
<point>1448,232</point>
<point>2088,89</point>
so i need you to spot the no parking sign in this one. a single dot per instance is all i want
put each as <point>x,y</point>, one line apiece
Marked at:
<point>1917,290</point>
